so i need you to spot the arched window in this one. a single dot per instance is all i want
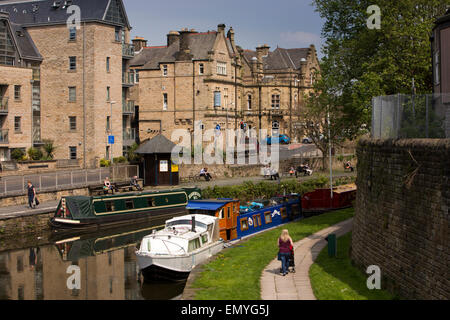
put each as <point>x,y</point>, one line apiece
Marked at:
<point>249,102</point>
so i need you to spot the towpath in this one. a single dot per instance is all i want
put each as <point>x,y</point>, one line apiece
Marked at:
<point>297,286</point>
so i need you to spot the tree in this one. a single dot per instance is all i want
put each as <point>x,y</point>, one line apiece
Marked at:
<point>362,63</point>
<point>49,149</point>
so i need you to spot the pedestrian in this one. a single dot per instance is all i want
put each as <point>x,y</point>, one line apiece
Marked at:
<point>204,173</point>
<point>32,200</point>
<point>285,245</point>
<point>107,186</point>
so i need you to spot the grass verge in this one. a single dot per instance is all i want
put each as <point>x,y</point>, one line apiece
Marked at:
<point>235,273</point>
<point>338,279</point>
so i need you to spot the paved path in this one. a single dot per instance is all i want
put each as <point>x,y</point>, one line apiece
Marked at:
<point>297,286</point>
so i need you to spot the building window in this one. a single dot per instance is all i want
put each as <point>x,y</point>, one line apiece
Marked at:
<point>73,34</point>
<point>18,124</point>
<point>217,99</point>
<point>7,49</point>
<point>222,68</point>
<point>249,102</point>
<point>108,123</point>
<point>136,76</point>
<point>17,92</point>
<point>73,153</point>
<point>165,70</point>
<point>275,101</point>
<point>108,63</point>
<point>165,101</point>
<point>72,94</point>
<point>73,123</point>
<point>72,63</point>
<point>108,93</point>
<point>437,75</point>
<point>117,34</point>
<point>201,69</point>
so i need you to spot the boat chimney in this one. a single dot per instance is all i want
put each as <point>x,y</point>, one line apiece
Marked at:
<point>193,224</point>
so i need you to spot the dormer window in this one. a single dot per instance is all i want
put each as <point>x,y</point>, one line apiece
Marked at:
<point>222,68</point>
<point>7,49</point>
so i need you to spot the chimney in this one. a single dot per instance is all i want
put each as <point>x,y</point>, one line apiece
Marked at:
<point>262,51</point>
<point>230,35</point>
<point>185,45</point>
<point>172,37</point>
<point>139,43</point>
<point>221,28</point>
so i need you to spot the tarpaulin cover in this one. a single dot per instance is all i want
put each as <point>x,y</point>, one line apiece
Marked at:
<point>205,205</point>
<point>80,207</point>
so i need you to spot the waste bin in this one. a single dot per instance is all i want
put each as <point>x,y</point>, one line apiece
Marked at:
<point>332,245</point>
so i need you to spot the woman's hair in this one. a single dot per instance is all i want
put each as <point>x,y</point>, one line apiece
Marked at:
<point>284,235</point>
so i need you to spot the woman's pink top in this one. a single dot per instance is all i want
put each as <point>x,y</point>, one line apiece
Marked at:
<point>285,247</point>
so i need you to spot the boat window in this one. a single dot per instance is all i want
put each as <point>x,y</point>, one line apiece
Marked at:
<point>268,217</point>
<point>257,220</point>
<point>204,238</point>
<point>151,202</point>
<point>244,224</point>
<point>129,204</point>
<point>194,244</point>
<point>186,222</point>
<point>283,213</point>
<point>110,206</point>
<point>221,216</point>
<point>229,213</point>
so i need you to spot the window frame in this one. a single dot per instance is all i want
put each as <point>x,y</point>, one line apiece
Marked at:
<point>244,224</point>
<point>108,64</point>
<point>275,101</point>
<point>17,92</point>
<point>201,69</point>
<point>72,124</point>
<point>165,101</point>
<point>72,63</point>
<point>71,153</point>
<point>17,129</point>
<point>165,70</point>
<point>73,34</point>
<point>72,94</point>
<point>221,68</point>
<point>268,213</point>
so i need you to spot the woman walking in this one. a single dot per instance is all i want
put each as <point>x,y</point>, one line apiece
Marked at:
<point>285,244</point>
<point>31,195</point>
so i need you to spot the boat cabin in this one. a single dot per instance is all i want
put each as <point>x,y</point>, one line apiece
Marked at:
<point>320,199</point>
<point>227,210</point>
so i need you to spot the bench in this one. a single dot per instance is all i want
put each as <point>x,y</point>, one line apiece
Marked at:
<point>122,186</point>
<point>194,178</point>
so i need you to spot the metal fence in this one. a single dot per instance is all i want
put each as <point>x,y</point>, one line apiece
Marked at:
<point>53,181</point>
<point>411,116</point>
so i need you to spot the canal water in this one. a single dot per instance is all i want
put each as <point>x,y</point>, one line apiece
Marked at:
<point>99,266</point>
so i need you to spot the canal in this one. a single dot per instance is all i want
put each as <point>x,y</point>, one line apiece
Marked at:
<point>99,266</point>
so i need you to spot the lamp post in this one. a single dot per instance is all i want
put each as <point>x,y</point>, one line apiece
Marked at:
<point>111,132</point>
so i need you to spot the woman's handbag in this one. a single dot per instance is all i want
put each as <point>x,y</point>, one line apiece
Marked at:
<point>36,201</point>
<point>279,256</point>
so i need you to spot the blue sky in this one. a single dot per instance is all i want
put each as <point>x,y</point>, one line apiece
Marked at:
<point>286,23</point>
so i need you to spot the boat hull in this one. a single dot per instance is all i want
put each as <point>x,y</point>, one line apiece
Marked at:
<point>174,268</point>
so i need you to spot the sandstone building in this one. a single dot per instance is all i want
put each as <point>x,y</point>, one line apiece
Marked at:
<point>74,82</point>
<point>206,77</point>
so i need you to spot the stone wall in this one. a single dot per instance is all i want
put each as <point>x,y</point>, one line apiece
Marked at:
<point>402,220</point>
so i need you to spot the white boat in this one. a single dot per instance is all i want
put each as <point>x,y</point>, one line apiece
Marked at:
<point>185,242</point>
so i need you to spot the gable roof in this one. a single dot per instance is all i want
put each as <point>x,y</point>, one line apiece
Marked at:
<point>157,145</point>
<point>41,12</point>
<point>280,58</point>
<point>200,44</point>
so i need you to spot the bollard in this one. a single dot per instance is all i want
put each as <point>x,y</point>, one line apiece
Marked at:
<point>332,245</point>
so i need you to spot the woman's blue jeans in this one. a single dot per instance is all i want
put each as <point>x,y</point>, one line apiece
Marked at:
<point>284,262</point>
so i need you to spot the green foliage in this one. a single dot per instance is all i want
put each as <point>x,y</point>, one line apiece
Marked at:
<point>361,63</point>
<point>49,149</point>
<point>120,160</point>
<point>105,163</point>
<point>17,154</point>
<point>132,155</point>
<point>35,154</point>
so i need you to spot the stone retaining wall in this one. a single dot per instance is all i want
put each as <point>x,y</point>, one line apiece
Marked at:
<point>402,221</point>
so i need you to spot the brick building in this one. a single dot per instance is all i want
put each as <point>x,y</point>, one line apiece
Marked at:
<point>76,85</point>
<point>206,77</point>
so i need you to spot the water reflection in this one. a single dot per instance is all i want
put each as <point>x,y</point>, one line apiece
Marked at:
<point>107,267</point>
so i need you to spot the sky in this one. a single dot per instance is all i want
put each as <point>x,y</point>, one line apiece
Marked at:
<point>283,23</point>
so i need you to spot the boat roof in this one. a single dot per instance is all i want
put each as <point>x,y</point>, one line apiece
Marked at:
<point>208,205</point>
<point>345,188</point>
<point>198,218</point>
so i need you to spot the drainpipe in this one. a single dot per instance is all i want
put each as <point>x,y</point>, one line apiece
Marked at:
<point>84,96</point>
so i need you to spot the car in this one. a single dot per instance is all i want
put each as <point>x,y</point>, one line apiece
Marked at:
<point>307,141</point>
<point>282,139</point>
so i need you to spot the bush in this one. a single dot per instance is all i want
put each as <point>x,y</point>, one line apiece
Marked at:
<point>35,154</point>
<point>120,160</point>
<point>17,154</point>
<point>105,163</point>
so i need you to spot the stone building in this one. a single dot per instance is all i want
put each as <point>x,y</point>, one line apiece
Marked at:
<point>206,77</point>
<point>77,84</point>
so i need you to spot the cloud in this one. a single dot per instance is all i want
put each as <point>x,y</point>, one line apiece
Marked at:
<point>300,39</point>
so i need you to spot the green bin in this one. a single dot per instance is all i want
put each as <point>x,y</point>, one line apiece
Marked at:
<point>332,245</point>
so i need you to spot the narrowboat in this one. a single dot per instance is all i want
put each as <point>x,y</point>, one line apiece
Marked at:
<point>173,252</point>
<point>320,200</point>
<point>77,213</point>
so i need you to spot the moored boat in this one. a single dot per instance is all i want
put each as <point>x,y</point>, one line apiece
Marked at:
<point>93,213</point>
<point>320,200</point>
<point>173,252</point>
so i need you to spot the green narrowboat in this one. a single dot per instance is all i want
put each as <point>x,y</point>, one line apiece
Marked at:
<point>94,213</point>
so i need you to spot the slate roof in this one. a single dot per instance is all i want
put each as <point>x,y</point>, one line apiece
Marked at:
<point>157,145</point>
<point>25,44</point>
<point>280,58</point>
<point>40,12</point>
<point>200,44</point>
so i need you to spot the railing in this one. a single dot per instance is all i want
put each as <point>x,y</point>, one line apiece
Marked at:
<point>54,181</point>
<point>4,138</point>
<point>411,116</point>
<point>128,107</point>
<point>4,105</point>
<point>129,134</point>
<point>128,78</point>
<point>128,50</point>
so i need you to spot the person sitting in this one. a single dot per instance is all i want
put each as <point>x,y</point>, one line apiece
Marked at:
<point>107,185</point>
<point>204,173</point>
<point>274,175</point>
<point>348,166</point>
<point>291,171</point>
<point>134,183</point>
